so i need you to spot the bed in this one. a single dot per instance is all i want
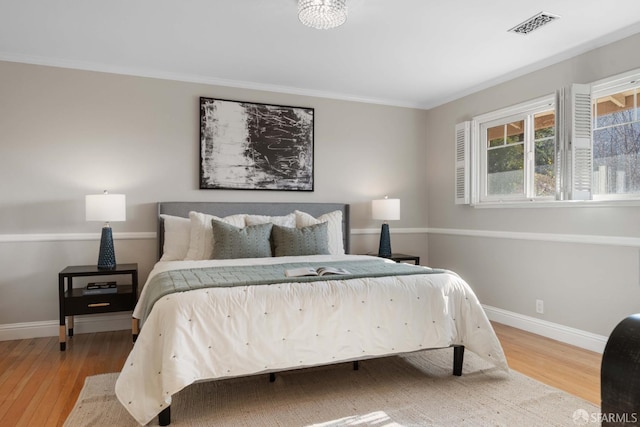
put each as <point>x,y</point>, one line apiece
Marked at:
<point>239,314</point>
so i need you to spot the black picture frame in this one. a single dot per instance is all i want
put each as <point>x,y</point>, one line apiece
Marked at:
<point>255,146</point>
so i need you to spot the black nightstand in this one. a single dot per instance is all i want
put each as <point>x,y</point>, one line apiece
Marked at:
<point>405,258</point>
<point>74,302</point>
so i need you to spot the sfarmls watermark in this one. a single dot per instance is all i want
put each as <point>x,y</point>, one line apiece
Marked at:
<point>582,417</point>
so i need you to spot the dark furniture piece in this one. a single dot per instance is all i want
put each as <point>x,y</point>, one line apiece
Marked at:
<point>404,257</point>
<point>620,375</point>
<point>73,301</point>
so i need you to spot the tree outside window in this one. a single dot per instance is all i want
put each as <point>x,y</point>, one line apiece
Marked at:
<point>616,143</point>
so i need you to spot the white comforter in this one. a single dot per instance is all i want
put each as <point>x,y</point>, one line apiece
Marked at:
<point>227,332</point>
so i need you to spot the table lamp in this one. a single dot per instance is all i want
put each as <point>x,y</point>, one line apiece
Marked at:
<point>106,207</point>
<point>386,210</point>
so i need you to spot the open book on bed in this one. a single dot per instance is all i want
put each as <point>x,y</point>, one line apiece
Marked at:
<point>310,271</point>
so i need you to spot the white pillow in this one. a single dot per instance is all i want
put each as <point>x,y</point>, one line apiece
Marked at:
<point>334,228</point>
<point>177,233</point>
<point>282,221</point>
<point>202,239</point>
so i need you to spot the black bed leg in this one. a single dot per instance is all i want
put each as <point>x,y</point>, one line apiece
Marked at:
<point>272,377</point>
<point>458,358</point>
<point>164,417</point>
<point>356,365</point>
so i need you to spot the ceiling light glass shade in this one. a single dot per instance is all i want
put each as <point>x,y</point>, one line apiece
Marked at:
<point>322,14</point>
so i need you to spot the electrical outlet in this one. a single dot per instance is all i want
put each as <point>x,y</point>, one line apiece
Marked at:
<point>539,306</point>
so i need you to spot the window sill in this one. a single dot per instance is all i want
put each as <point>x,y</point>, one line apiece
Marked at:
<point>558,204</point>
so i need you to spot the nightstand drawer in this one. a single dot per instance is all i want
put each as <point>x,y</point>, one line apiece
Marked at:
<point>104,303</point>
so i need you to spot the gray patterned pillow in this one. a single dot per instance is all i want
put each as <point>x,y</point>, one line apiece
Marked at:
<point>248,242</point>
<point>312,240</point>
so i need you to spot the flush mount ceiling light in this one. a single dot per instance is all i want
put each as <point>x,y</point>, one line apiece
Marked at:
<point>534,23</point>
<point>322,14</point>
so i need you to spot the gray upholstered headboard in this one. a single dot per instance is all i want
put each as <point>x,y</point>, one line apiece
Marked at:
<point>223,209</point>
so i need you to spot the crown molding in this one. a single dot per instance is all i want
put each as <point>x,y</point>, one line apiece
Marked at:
<point>194,78</point>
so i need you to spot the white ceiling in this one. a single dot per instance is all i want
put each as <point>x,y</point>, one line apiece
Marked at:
<point>415,53</point>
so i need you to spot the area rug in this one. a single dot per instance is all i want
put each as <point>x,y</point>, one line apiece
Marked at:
<point>411,390</point>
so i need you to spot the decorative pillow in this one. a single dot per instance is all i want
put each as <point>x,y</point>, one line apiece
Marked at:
<point>311,240</point>
<point>201,237</point>
<point>283,221</point>
<point>334,230</point>
<point>251,241</point>
<point>177,233</point>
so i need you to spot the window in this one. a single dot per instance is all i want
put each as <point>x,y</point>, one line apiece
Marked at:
<point>515,153</point>
<point>616,137</point>
<point>521,153</point>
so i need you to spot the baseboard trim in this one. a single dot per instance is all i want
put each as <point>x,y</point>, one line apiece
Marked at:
<point>565,334</point>
<point>50,328</point>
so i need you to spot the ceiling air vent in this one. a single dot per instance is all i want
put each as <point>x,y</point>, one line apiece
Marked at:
<point>534,23</point>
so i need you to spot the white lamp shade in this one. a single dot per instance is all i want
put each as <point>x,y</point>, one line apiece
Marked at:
<point>105,207</point>
<point>385,209</point>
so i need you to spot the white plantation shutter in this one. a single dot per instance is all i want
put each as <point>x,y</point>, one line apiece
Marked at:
<point>463,138</point>
<point>581,148</point>
<point>561,148</point>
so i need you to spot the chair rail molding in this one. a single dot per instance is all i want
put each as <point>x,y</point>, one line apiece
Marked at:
<point>58,237</point>
<point>545,237</point>
<point>517,235</point>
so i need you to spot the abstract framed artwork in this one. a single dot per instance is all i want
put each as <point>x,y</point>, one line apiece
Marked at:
<point>253,146</point>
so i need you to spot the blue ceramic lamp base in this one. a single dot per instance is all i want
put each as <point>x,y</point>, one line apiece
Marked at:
<point>107,255</point>
<point>384,250</point>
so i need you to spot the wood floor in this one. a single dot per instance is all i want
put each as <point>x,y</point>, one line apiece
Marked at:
<point>569,368</point>
<point>39,384</point>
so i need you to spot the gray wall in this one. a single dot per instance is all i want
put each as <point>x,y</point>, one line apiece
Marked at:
<point>586,286</point>
<point>66,133</point>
